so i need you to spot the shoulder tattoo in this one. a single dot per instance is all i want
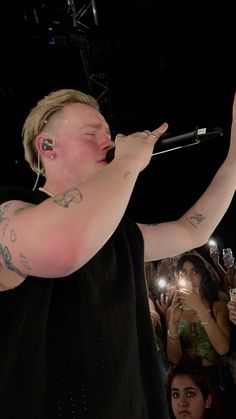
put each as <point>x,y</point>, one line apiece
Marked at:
<point>72,195</point>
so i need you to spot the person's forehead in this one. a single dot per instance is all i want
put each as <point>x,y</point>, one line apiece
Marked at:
<point>187,265</point>
<point>83,114</point>
<point>182,381</point>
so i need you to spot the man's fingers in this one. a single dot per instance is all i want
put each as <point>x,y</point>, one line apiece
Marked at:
<point>119,136</point>
<point>150,135</point>
<point>161,130</point>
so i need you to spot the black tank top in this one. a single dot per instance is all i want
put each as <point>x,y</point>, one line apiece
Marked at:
<point>81,346</point>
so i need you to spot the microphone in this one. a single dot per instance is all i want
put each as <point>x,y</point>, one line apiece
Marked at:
<point>168,143</point>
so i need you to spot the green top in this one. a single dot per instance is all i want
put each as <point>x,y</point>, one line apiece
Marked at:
<point>195,341</point>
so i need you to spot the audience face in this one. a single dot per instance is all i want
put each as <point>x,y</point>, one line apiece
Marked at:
<point>187,400</point>
<point>190,273</point>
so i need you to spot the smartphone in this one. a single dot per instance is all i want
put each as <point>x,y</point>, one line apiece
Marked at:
<point>228,257</point>
<point>212,246</point>
<point>232,294</point>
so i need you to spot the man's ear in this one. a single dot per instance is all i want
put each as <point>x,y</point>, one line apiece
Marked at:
<point>44,143</point>
<point>47,144</point>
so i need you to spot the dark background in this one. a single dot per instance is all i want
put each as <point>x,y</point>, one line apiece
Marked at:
<point>146,62</point>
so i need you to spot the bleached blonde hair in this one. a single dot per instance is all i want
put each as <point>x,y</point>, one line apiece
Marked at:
<point>39,115</point>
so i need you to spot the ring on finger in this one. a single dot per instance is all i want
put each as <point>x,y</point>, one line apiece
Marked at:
<point>146,132</point>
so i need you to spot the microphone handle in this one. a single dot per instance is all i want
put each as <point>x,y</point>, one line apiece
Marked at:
<point>186,140</point>
<point>179,141</point>
<point>177,138</point>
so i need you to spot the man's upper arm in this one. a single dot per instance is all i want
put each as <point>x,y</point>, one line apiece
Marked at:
<point>10,275</point>
<point>9,279</point>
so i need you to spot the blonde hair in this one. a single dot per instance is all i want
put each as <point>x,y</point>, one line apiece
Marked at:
<point>39,115</point>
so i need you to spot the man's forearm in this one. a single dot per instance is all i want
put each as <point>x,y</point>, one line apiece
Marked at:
<point>204,216</point>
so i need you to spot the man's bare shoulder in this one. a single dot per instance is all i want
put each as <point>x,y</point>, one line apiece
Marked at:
<point>13,207</point>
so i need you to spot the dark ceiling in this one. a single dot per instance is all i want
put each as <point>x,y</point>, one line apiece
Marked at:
<point>146,62</point>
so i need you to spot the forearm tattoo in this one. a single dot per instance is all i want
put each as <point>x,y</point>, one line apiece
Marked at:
<point>72,195</point>
<point>196,219</point>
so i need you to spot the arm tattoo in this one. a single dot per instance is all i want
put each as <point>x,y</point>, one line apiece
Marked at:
<point>3,210</point>
<point>3,217</point>
<point>196,219</point>
<point>5,228</point>
<point>4,250</point>
<point>72,195</point>
<point>25,262</point>
<point>12,235</point>
<point>5,253</point>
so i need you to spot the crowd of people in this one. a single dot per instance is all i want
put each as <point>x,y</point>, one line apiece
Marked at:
<point>198,308</point>
<point>76,336</point>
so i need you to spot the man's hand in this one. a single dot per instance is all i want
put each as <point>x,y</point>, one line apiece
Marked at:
<point>139,145</point>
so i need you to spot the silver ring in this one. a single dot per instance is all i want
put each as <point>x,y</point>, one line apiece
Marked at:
<point>147,132</point>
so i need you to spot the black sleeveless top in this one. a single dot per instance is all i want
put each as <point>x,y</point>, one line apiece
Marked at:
<point>81,346</point>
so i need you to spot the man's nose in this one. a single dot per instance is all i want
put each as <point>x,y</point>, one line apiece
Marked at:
<point>109,147</point>
<point>106,142</point>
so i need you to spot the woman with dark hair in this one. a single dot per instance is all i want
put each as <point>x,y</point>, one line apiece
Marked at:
<point>198,322</point>
<point>190,393</point>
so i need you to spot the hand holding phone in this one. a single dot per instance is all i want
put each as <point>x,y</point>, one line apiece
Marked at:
<point>232,295</point>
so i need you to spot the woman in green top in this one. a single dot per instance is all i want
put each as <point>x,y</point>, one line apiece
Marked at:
<point>198,322</point>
